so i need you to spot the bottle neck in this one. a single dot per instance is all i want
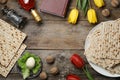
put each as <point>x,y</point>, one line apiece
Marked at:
<point>35,15</point>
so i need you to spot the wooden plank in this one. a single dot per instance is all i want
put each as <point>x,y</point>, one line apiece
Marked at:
<point>56,35</point>
<point>62,61</point>
<point>114,11</point>
<point>18,77</point>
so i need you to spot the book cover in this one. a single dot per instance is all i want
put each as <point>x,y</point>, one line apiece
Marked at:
<point>55,7</point>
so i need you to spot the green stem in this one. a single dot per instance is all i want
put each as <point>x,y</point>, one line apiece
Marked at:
<point>85,11</point>
<point>84,3</point>
<point>85,69</point>
<point>76,3</point>
<point>90,3</point>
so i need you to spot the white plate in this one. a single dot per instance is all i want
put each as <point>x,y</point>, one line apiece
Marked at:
<point>96,67</point>
<point>102,71</point>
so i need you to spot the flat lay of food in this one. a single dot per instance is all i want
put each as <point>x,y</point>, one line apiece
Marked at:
<point>59,39</point>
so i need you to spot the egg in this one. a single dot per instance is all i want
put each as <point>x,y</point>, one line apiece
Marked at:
<point>30,63</point>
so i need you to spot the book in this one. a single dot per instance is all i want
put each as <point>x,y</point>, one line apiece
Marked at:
<point>54,7</point>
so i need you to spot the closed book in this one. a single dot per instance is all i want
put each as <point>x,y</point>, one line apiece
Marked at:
<point>55,7</point>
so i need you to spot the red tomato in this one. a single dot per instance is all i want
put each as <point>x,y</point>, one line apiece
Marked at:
<point>72,77</point>
<point>77,61</point>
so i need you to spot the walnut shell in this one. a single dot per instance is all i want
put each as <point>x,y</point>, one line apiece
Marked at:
<point>54,70</point>
<point>50,59</point>
<point>3,1</point>
<point>105,12</point>
<point>43,75</point>
<point>115,3</point>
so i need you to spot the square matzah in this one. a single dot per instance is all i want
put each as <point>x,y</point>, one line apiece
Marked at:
<point>10,41</point>
<point>5,70</point>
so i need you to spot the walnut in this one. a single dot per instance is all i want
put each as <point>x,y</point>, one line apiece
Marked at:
<point>43,75</point>
<point>50,59</point>
<point>115,3</point>
<point>105,12</point>
<point>54,70</point>
<point>3,1</point>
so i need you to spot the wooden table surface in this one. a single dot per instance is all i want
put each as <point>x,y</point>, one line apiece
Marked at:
<point>56,37</point>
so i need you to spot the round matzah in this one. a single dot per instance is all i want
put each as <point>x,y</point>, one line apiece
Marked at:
<point>87,42</point>
<point>96,67</point>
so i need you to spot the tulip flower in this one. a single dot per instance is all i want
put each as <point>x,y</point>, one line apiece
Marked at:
<point>91,15</point>
<point>72,77</point>
<point>99,3</point>
<point>78,62</point>
<point>73,16</point>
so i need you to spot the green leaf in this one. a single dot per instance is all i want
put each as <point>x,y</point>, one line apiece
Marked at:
<point>36,69</point>
<point>22,64</point>
<point>85,11</point>
<point>37,65</point>
<point>84,3</point>
<point>79,4</point>
<point>85,69</point>
<point>25,73</point>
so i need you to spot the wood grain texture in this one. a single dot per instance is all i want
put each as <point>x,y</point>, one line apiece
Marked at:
<point>62,62</point>
<point>56,33</point>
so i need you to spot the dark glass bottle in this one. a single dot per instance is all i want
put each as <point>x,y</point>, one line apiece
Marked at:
<point>16,19</point>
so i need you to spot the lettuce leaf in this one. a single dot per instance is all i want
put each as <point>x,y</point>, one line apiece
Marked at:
<point>22,64</point>
<point>25,73</point>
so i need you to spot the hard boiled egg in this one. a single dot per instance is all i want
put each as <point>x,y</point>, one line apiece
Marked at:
<point>30,63</point>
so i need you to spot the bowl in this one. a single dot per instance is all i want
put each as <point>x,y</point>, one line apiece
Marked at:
<point>31,74</point>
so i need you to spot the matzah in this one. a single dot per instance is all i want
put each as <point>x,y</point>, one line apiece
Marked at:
<point>103,46</point>
<point>104,62</point>
<point>10,41</point>
<point>5,70</point>
<point>107,44</point>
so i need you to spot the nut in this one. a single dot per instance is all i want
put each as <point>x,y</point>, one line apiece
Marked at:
<point>105,12</point>
<point>115,3</point>
<point>43,75</point>
<point>54,70</point>
<point>50,59</point>
<point>3,1</point>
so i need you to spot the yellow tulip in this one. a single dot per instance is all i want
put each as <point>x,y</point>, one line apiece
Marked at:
<point>99,3</point>
<point>91,15</point>
<point>73,16</point>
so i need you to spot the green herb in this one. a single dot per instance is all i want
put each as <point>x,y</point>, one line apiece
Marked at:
<point>22,64</point>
